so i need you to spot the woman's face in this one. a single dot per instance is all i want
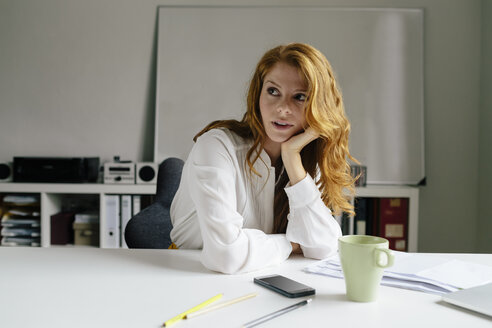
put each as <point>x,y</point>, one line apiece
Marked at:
<point>282,101</point>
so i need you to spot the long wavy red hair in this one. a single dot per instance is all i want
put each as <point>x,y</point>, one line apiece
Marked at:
<point>324,112</point>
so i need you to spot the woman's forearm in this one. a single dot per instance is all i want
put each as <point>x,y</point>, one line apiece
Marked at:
<point>293,166</point>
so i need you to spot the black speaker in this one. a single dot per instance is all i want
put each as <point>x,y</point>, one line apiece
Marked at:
<point>146,173</point>
<point>6,172</point>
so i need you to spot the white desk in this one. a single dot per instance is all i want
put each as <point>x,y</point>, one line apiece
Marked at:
<point>90,287</point>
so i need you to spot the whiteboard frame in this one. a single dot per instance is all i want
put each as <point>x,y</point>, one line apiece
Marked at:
<point>421,163</point>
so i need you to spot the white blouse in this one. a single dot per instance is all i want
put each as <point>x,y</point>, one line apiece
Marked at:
<point>228,212</point>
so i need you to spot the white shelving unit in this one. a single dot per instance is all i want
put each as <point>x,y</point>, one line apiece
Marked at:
<point>51,195</point>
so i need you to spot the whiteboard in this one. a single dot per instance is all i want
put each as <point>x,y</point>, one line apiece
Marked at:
<point>207,55</point>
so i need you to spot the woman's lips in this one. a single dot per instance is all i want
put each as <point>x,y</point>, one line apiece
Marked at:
<point>280,125</point>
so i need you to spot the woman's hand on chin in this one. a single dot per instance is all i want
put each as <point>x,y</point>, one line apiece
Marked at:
<point>291,154</point>
<point>297,142</point>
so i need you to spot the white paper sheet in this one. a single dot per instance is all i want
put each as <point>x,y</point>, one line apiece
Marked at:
<point>430,274</point>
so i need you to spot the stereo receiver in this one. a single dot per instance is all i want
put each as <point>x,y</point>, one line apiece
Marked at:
<point>119,172</point>
<point>56,169</point>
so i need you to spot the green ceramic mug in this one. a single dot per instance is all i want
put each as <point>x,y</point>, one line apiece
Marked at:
<point>363,259</point>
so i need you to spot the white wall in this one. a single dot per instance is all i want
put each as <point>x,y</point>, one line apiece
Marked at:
<point>76,79</point>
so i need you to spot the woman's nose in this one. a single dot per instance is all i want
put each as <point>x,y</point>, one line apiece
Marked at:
<point>284,107</point>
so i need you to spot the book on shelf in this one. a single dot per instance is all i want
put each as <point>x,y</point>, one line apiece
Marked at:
<point>393,222</point>
<point>366,216</point>
<point>345,223</point>
<point>384,217</point>
<point>371,216</point>
<point>61,228</point>
<point>146,201</point>
<point>360,218</point>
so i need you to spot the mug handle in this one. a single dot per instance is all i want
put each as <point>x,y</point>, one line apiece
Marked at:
<point>389,256</point>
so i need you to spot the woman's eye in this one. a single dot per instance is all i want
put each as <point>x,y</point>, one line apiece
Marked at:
<point>300,97</point>
<point>273,91</point>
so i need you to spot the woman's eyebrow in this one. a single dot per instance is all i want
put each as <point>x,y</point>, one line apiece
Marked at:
<point>272,82</point>
<point>279,86</point>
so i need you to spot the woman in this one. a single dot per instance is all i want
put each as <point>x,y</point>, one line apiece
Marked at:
<point>248,196</point>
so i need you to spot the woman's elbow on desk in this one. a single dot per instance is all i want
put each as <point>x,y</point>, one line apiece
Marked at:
<point>319,253</point>
<point>223,259</point>
<point>322,250</point>
<point>316,244</point>
<point>247,256</point>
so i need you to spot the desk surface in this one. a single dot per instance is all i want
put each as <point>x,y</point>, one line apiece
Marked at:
<point>90,287</point>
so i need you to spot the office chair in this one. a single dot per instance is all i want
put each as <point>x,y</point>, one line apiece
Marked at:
<point>151,227</point>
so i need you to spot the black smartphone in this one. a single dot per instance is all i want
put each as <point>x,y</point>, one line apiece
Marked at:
<point>284,286</point>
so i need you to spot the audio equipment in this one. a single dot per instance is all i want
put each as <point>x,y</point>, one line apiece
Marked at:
<point>56,169</point>
<point>6,172</point>
<point>146,173</point>
<point>119,172</point>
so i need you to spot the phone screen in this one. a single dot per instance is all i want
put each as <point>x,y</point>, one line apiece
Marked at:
<point>284,286</point>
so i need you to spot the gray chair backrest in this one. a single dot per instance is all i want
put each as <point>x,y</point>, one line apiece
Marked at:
<point>168,179</point>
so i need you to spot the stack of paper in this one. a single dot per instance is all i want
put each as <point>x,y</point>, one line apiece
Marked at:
<point>20,225</point>
<point>422,272</point>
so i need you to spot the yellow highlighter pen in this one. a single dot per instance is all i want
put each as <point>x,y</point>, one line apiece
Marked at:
<point>196,308</point>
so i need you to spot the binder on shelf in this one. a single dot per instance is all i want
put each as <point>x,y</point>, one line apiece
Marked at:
<point>345,220</point>
<point>126,215</point>
<point>146,200</point>
<point>393,222</point>
<point>368,211</point>
<point>111,233</point>
<point>372,216</point>
<point>136,204</point>
<point>345,224</point>
<point>360,209</point>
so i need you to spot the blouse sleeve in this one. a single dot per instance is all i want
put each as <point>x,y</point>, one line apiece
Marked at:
<point>310,223</point>
<point>227,247</point>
